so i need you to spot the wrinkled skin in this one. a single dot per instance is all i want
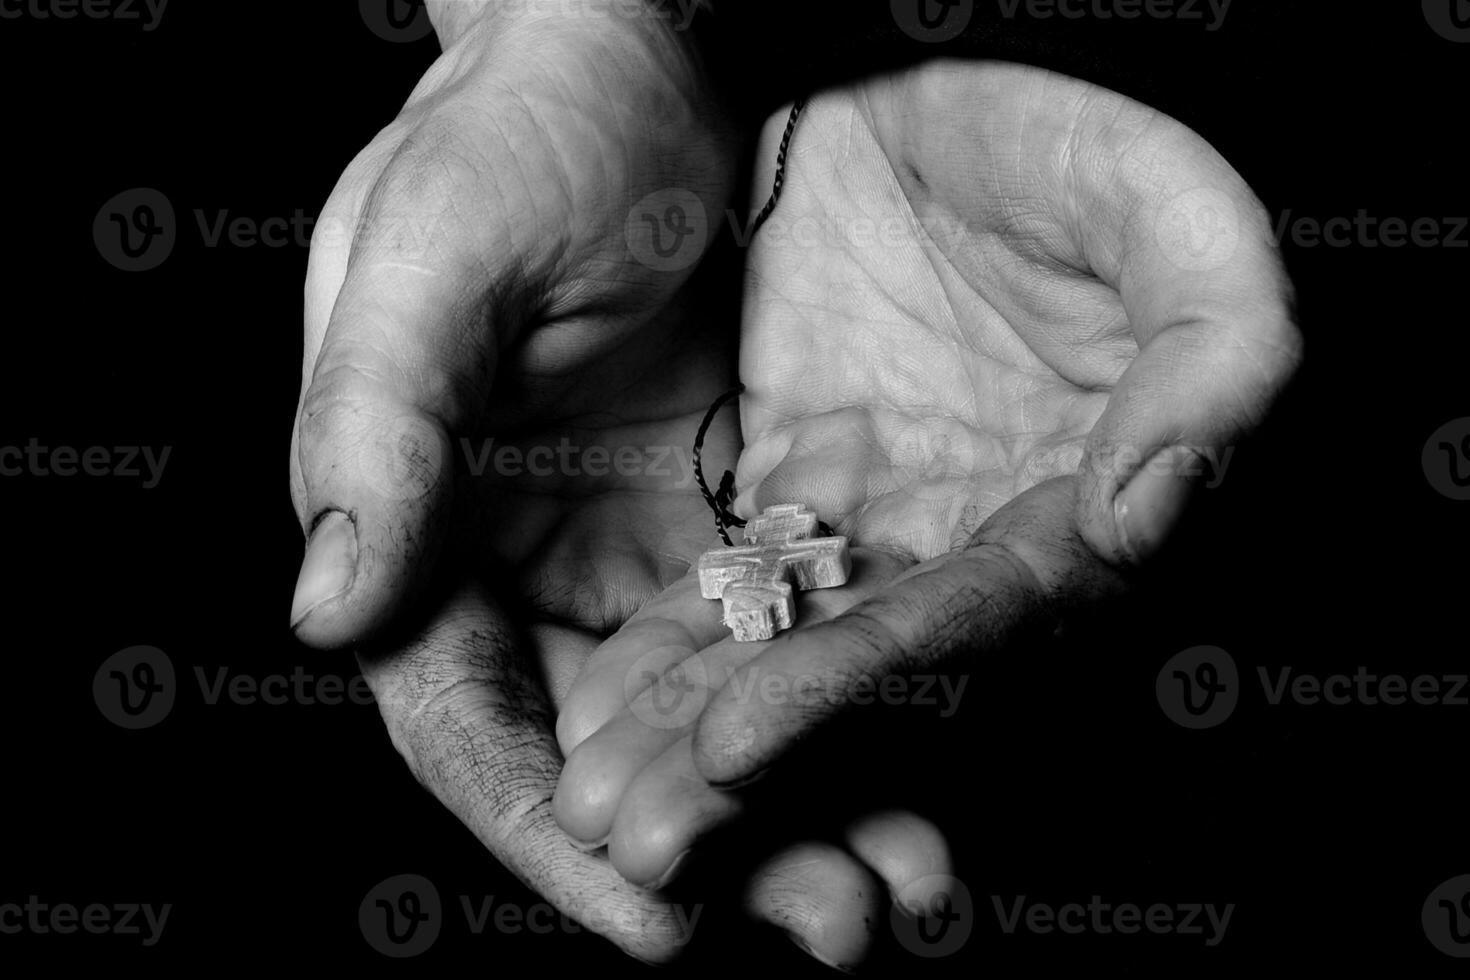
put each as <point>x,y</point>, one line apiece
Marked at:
<point>1089,275</point>
<point>490,292</point>
<point>1096,289</point>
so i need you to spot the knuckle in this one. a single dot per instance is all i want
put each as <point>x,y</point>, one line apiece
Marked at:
<point>724,743</point>
<point>432,168</point>
<point>334,228</point>
<point>342,400</point>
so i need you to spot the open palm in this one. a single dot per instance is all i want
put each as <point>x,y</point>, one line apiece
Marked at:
<point>997,318</point>
<point>958,277</point>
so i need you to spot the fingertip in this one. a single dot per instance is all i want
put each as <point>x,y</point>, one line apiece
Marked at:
<point>330,565</point>
<point>647,848</point>
<point>900,847</point>
<point>727,747</point>
<point>662,818</point>
<point>586,798</point>
<point>594,700</point>
<point>1127,516</point>
<point>378,480</point>
<point>825,901</point>
<point>1153,503</point>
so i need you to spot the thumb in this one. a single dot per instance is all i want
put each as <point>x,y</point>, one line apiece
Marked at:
<point>375,462</point>
<point>405,361</point>
<point>1210,307</point>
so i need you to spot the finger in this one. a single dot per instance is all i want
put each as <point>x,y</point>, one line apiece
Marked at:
<point>824,899</point>
<point>326,269</point>
<point>676,623</point>
<point>670,807</point>
<point>601,769</point>
<point>436,282</point>
<point>662,694</point>
<point>1189,248</point>
<point>665,811</point>
<point>563,651</point>
<point>466,711</point>
<point>658,687</point>
<point>1025,567</point>
<point>906,851</point>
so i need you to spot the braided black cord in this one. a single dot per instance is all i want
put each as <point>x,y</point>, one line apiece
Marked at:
<point>760,219</point>
<point>721,499</point>
<point>720,503</point>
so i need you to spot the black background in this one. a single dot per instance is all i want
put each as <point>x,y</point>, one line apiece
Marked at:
<point>264,826</point>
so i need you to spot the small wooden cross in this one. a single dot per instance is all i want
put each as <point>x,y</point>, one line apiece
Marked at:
<point>755,579</point>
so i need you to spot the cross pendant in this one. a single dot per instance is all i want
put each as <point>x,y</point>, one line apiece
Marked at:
<point>755,579</point>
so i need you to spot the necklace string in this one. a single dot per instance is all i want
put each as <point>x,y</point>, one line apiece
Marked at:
<point>723,496</point>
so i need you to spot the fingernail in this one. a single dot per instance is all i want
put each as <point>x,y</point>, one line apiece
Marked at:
<point>806,948</point>
<point>329,566</point>
<point>743,781</point>
<point>588,845</point>
<point>675,869</point>
<point>912,909</point>
<point>1149,507</point>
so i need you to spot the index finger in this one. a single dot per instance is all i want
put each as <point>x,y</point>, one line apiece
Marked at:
<point>473,721</point>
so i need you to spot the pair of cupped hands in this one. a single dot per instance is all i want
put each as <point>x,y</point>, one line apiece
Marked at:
<point>996,323</point>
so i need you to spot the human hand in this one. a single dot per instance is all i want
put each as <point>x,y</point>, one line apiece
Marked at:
<point>493,289</point>
<point>497,289</point>
<point>833,871</point>
<point>988,333</point>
